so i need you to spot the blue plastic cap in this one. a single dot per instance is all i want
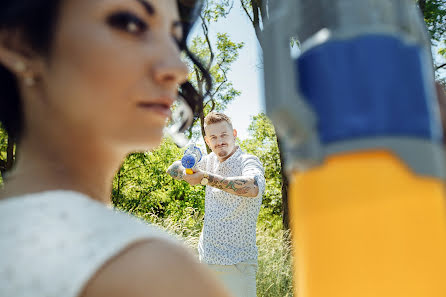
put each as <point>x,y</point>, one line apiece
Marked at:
<point>188,161</point>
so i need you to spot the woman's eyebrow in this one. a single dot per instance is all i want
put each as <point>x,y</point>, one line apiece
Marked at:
<point>147,6</point>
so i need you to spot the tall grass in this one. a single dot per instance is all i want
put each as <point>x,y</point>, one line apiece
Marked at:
<point>274,278</point>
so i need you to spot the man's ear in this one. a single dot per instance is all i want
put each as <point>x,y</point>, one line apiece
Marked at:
<point>207,141</point>
<point>15,53</point>
<point>234,132</point>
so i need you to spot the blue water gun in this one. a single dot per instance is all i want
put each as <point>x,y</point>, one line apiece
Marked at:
<point>192,155</point>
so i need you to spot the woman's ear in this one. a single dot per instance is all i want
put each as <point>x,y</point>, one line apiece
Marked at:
<point>17,56</point>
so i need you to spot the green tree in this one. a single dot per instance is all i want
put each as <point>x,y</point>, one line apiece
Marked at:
<point>217,54</point>
<point>257,13</point>
<point>263,144</point>
<point>434,12</point>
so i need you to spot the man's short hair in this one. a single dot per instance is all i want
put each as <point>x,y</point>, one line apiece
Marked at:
<point>216,117</point>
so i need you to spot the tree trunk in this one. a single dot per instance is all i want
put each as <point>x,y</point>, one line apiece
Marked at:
<point>258,6</point>
<point>203,133</point>
<point>10,154</point>
<point>422,5</point>
<point>285,204</point>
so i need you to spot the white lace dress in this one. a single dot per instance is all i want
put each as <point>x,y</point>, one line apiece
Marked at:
<point>52,243</point>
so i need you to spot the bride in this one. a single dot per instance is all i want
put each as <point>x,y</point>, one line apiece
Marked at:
<point>82,84</point>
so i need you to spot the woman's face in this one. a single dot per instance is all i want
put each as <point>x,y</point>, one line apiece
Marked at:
<point>112,73</point>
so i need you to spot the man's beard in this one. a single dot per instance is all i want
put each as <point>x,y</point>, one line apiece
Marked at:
<point>223,153</point>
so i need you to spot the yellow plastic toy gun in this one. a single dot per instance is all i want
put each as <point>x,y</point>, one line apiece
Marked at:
<point>359,119</point>
<point>192,155</point>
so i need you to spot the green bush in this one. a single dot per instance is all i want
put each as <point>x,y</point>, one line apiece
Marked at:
<point>143,187</point>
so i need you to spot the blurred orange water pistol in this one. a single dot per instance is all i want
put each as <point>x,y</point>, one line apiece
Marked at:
<point>357,114</point>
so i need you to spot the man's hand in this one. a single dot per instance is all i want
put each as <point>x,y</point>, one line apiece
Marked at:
<point>194,179</point>
<point>176,170</point>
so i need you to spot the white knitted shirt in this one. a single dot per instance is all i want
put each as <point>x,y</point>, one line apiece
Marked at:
<point>52,243</point>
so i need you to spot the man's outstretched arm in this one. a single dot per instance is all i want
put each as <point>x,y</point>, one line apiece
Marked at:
<point>238,185</point>
<point>176,170</point>
<point>246,186</point>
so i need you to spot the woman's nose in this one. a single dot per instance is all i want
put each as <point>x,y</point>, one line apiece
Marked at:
<point>170,69</point>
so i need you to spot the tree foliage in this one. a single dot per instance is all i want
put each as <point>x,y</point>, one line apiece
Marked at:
<point>434,12</point>
<point>263,144</point>
<point>7,152</point>
<point>143,187</point>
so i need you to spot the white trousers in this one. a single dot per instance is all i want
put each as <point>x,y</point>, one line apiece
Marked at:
<point>239,279</point>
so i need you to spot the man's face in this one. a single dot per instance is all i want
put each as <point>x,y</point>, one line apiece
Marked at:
<point>220,137</point>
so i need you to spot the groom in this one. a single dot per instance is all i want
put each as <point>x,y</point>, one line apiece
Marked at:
<point>234,183</point>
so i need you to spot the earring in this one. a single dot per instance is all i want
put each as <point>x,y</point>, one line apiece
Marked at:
<point>29,78</point>
<point>20,66</point>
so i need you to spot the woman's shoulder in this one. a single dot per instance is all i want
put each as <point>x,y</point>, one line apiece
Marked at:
<point>71,214</point>
<point>62,238</point>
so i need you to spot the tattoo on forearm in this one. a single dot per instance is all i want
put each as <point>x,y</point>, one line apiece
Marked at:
<point>231,185</point>
<point>236,186</point>
<point>176,171</point>
<point>243,190</point>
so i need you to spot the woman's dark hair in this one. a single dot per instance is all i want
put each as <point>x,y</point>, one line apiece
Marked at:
<point>36,20</point>
<point>189,11</point>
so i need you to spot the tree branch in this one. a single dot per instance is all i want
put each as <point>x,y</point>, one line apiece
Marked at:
<point>206,35</point>
<point>246,11</point>
<point>224,75</point>
<point>199,81</point>
<point>263,10</point>
<point>2,165</point>
<point>10,153</point>
<point>256,23</point>
<point>213,105</point>
<point>439,67</point>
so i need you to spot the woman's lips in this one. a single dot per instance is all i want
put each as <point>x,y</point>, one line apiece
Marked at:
<point>158,108</point>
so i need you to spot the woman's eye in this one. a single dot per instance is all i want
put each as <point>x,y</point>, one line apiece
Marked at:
<point>128,22</point>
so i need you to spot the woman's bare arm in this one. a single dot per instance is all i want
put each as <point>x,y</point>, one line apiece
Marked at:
<point>154,268</point>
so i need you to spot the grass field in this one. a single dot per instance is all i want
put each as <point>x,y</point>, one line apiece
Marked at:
<point>274,276</point>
